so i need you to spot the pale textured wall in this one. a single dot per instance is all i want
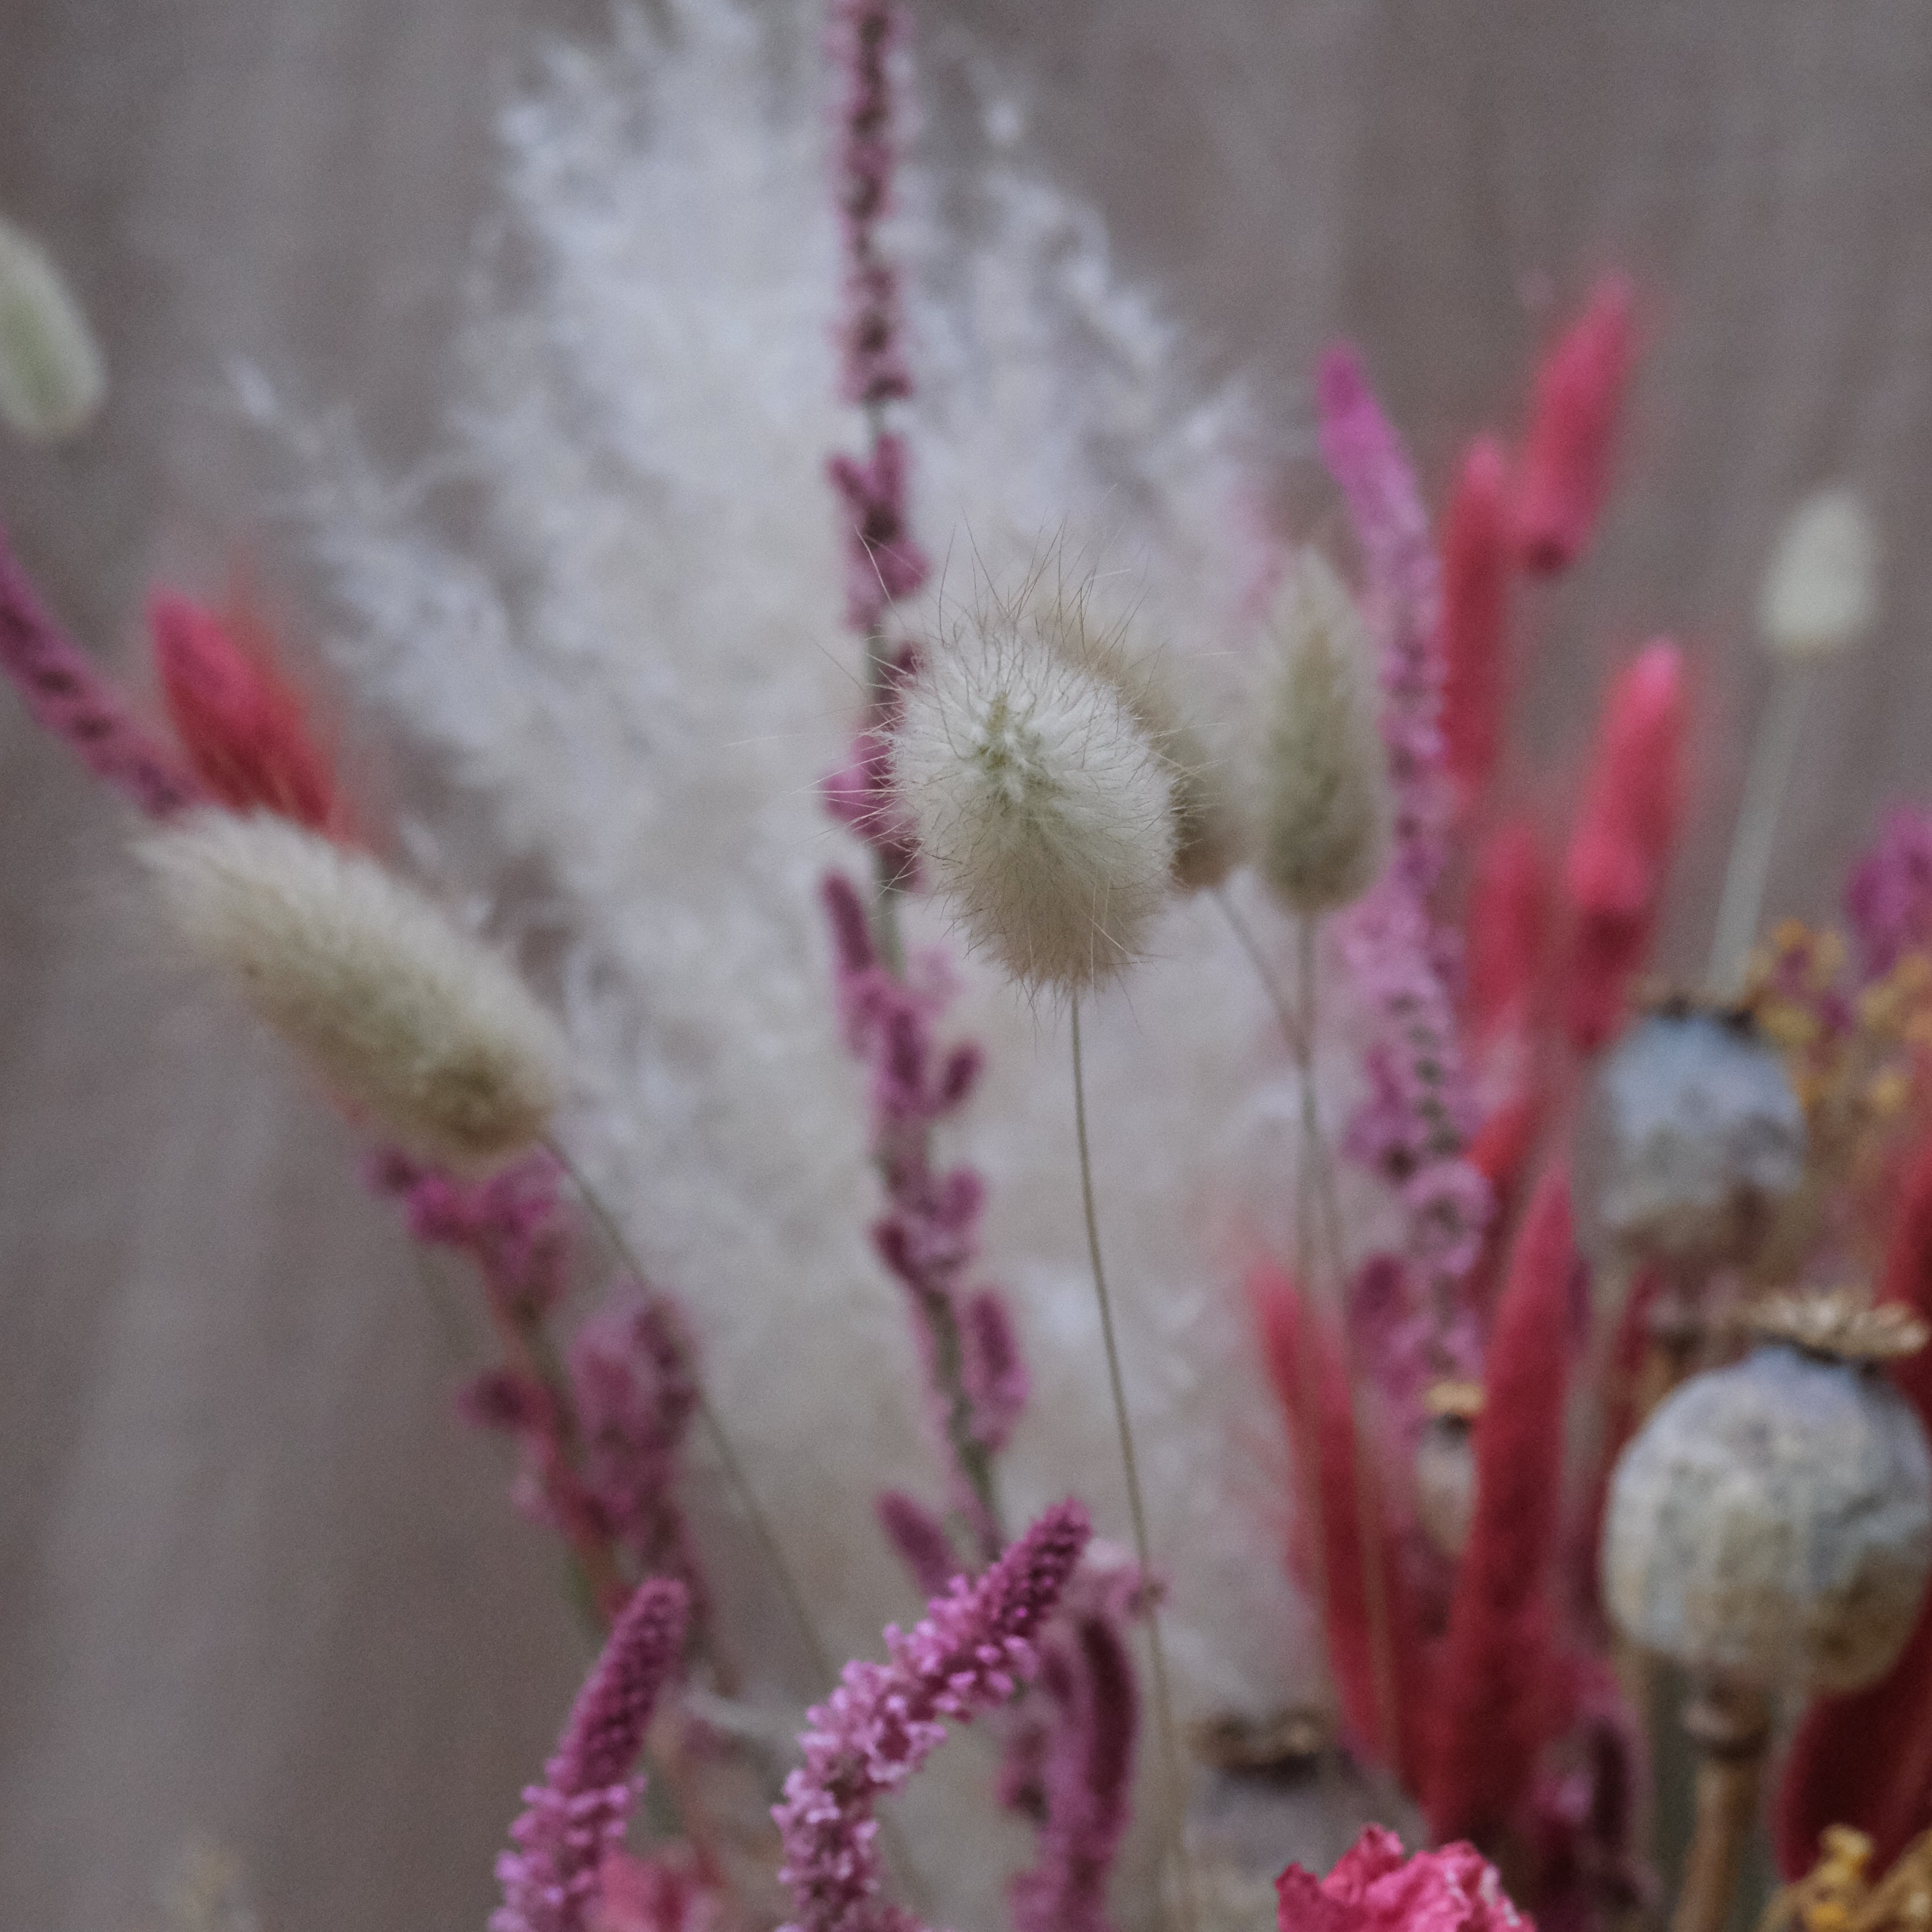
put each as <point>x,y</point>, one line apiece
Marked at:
<point>253,1579</point>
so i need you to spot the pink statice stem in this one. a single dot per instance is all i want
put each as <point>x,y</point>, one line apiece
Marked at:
<point>576,1815</point>
<point>68,697</point>
<point>970,1652</point>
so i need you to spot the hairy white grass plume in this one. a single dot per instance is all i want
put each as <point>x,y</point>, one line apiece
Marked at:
<point>52,377</point>
<point>1042,805</point>
<point>1325,803</point>
<point>1207,830</point>
<point>1820,594</point>
<point>632,668</point>
<point>402,1014</point>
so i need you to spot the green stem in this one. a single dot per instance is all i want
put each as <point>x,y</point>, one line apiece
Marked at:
<point>1136,1506</point>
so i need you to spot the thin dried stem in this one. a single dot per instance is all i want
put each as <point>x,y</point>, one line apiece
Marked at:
<point>1177,1833</point>
<point>721,1442</point>
<point>1772,754</point>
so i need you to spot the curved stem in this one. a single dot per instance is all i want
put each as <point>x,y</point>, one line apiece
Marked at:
<point>721,1442</point>
<point>1136,1506</point>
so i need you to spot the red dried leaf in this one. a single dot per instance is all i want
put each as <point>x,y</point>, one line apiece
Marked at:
<point>1501,1694</point>
<point>1476,559</point>
<point>1565,468</point>
<point>1626,833</point>
<point>1324,1452</point>
<point>1507,927</point>
<point>245,728</point>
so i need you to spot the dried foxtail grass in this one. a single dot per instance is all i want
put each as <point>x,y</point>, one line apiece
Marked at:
<point>1820,594</point>
<point>52,377</point>
<point>1207,828</point>
<point>1043,804</point>
<point>400,1012</point>
<point>1326,804</point>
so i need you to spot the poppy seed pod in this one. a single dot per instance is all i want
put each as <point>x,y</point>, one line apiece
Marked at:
<point>1690,1136</point>
<point>1771,1523</point>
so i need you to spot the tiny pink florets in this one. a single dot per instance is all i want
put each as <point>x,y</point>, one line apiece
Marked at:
<point>1374,1888</point>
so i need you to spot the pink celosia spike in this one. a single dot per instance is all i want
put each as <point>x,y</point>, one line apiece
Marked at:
<point>1565,468</point>
<point>1476,560</point>
<point>1625,836</point>
<point>1889,899</point>
<point>69,698</point>
<point>1499,1694</point>
<point>882,562</point>
<point>1865,1760</point>
<point>1370,465</point>
<point>633,1376</point>
<point>1087,1777</point>
<point>864,33</point>
<point>660,1894</point>
<point>971,1650</point>
<point>245,727</point>
<point>1324,1448</point>
<point>577,1815</point>
<point>1376,1887</point>
<point>1508,926</point>
<point>920,1538</point>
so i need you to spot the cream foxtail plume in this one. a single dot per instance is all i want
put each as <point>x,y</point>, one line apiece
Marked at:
<point>1326,804</point>
<point>52,377</point>
<point>401,1013</point>
<point>1820,595</point>
<point>1207,830</point>
<point>1044,808</point>
<point>577,1815</point>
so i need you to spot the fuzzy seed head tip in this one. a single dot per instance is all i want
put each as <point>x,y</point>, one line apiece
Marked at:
<point>402,1015</point>
<point>1820,594</point>
<point>1043,803</point>
<point>1327,805</point>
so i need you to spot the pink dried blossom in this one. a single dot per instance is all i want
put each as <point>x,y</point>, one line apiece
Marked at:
<point>1889,899</point>
<point>971,1650</point>
<point>1420,1112</point>
<point>864,34</point>
<point>1565,467</point>
<point>920,1538</point>
<point>68,697</point>
<point>883,563</point>
<point>1373,1888</point>
<point>975,1378</point>
<point>1366,457</point>
<point>1085,1771</point>
<point>632,1371</point>
<point>576,1817</point>
<point>660,1894</point>
<point>863,793</point>
<point>991,1368</point>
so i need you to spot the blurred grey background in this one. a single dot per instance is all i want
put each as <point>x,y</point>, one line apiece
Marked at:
<point>255,1581</point>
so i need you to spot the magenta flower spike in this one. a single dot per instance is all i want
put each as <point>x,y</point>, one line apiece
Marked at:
<point>577,1814</point>
<point>972,1649</point>
<point>68,697</point>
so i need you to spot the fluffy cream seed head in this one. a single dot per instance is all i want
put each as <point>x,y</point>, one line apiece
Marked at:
<point>1820,594</point>
<point>1042,805</point>
<point>52,378</point>
<point>400,1012</point>
<point>1325,795</point>
<point>1207,828</point>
